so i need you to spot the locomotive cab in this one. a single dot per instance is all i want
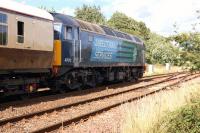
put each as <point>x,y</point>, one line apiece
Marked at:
<point>66,42</point>
<point>84,51</point>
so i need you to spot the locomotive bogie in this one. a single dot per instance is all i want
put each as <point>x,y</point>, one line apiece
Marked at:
<point>84,77</point>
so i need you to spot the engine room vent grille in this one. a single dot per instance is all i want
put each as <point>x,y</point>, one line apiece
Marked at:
<point>128,37</point>
<point>119,34</point>
<point>108,31</point>
<point>137,40</point>
<point>90,27</point>
<point>105,30</point>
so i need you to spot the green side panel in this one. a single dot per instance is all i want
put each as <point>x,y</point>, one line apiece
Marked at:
<point>128,52</point>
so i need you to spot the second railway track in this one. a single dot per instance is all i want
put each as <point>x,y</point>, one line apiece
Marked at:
<point>139,91</point>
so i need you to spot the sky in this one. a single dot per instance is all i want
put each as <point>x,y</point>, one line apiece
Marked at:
<point>158,15</point>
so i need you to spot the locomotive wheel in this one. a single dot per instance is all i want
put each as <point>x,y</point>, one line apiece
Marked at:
<point>72,82</point>
<point>140,74</point>
<point>136,77</point>
<point>91,81</point>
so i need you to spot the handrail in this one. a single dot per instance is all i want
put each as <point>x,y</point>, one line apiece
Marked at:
<point>74,50</point>
<point>80,46</point>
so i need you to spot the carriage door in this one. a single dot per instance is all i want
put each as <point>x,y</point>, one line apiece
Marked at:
<point>25,32</point>
<point>20,36</point>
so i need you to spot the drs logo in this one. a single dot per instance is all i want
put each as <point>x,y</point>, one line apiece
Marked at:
<point>103,49</point>
<point>108,50</point>
<point>104,55</point>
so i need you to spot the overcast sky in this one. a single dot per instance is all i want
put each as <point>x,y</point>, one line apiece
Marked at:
<point>159,15</point>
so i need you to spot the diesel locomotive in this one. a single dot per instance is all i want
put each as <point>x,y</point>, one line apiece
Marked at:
<point>39,49</point>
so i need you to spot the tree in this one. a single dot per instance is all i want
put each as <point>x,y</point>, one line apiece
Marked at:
<point>90,13</point>
<point>160,50</point>
<point>124,23</point>
<point>143,30</point>
<point>189,44</point>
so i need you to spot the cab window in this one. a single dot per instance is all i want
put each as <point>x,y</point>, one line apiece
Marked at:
<point>20,32</point>
<point>57,31</point>
<point>3,29</point>
<point>68,33</point>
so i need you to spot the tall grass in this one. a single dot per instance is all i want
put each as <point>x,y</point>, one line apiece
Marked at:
<point>143,115</point>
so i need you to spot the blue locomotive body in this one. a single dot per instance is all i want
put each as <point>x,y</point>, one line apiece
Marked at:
<point>93,54</point>
<point>102,50</point>
<point>82,47</point>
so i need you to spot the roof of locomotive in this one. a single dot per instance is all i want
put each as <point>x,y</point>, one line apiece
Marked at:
<point>91,27</point>
<point>65,19</point>
<point>25,9</point>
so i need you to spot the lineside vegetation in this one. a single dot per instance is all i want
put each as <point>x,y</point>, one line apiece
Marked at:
<point>173,111</point>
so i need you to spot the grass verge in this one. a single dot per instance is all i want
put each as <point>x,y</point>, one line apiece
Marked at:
<point>184,120</point>
<point>165,112</point>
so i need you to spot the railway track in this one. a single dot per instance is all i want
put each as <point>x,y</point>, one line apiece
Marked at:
<point>75,119</point>
<point>160,75</point>
<point>18,100</point>
<point>93,113</point>
<point>17,118</point>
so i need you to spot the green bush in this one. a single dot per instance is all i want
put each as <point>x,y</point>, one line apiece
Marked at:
<point>184,120</point>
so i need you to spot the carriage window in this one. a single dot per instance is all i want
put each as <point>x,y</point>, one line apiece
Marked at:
<point>68,33</point>
<point>20,32</point>
<point>3,29</point>
<point>76,34</point>
<point>3,18</point>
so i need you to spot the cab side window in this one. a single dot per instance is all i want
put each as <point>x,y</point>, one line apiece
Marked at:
<point>68,33</point>
<point>20,32</point>
<point>3,29</point>
<point>57,31</point>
